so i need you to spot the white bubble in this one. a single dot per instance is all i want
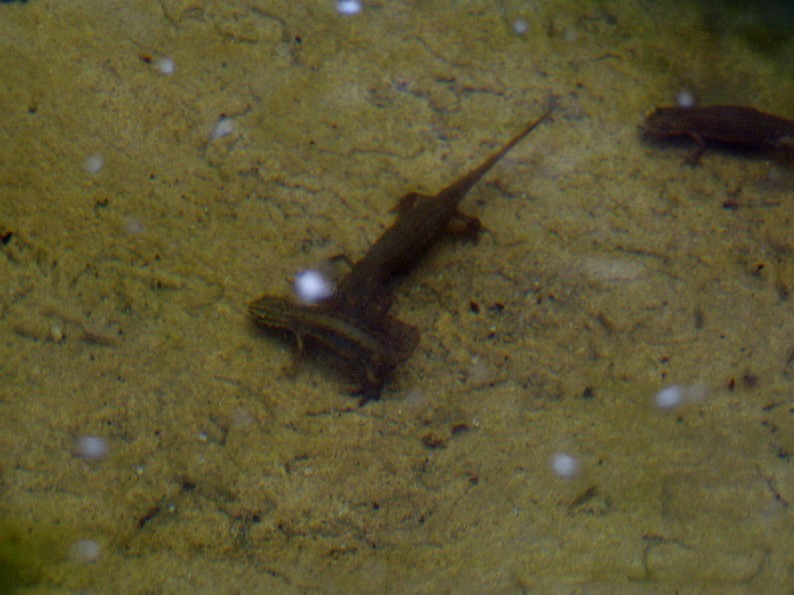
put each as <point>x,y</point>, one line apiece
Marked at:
<point>669,397</point>
<point>348,7</point>
<point>91,447</point>
<point>223,127</point>
<point>93,163</point>
<point>564,465</point>
<point>85,550</point>
<point>675,395</point>
<point>312,286</point>
<point>520,26</point>
<point>165,66</point>
<point>685,98</point>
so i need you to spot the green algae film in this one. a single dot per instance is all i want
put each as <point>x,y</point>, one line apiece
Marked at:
<point>21,558</point>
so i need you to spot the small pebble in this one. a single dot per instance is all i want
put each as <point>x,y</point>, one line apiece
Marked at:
<point>165,66</point>
<point>564,465</point>
<point>93,163</point>
<point>85,551</point>
<point>92,448</point>
<point>312,286</point>
<point>348,7</point>
<point>56,333</point>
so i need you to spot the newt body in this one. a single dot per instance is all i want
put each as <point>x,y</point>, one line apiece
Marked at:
<point>737,126</point>
<point>421,219</point>
<point>355,323</point>
<point>376,344</point>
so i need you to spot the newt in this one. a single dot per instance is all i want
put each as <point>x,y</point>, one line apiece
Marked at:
<point>723,125</point>
<point>354,322</point>
<point>376,344</point>
<point>421,219</point>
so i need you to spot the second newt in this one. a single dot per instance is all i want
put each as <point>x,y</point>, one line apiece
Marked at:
<point>738,126</point>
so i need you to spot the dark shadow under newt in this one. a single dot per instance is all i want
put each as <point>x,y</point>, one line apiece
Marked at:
<point>723,125</point>
<point>355,323</point>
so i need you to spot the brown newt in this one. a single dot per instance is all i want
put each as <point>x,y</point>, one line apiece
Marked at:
<point>377,344</point>
<point>420,220</point>
<point>354,323</point>
<point>727,125</point>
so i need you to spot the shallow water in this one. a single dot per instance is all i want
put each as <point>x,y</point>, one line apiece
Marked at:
<point>140,211</point>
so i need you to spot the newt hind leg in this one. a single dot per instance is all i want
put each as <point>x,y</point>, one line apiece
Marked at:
<point>693,158</point>
<point>291,369</point>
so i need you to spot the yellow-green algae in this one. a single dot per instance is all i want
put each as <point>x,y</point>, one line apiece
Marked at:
<point>25,551</point>
<point>608,271</point>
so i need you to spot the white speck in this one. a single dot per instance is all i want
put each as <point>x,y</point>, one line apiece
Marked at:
<point>242,418</point>
<point>312,286</point>
<point>348,7</point>
<point>90,447</point>
<point>520,26</point>
<point>414,399</point>
<point>669,397</point>
<point>564,465</point>
<point>56,333</point>
<point>223,127</point>
<point>93,163</point>
<point>685,98</point>
<point>133,225</point>
<point>85,550</point>
<point>165,66</point>
<point>674,395</point>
